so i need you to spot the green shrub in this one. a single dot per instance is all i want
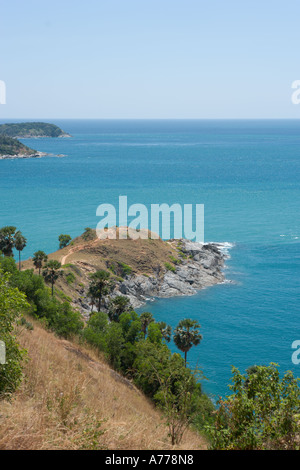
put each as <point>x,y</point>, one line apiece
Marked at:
<point>169,267</point>
<point>12,303</point>
<point>262,413</point>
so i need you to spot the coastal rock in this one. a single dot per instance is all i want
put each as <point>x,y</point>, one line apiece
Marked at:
<point>200,266</point>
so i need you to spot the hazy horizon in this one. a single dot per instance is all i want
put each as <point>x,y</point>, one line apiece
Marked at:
<point>149,60</point>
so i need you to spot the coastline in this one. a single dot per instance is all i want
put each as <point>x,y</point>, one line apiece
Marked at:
<point>32,155</point>
<point>202,268</point>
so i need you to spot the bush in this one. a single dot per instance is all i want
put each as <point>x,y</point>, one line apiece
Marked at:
<point>262,413</point>
<point>12,303</point>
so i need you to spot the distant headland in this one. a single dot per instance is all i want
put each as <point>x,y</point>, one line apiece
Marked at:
<point>11,148</point>
<point>30,130</point>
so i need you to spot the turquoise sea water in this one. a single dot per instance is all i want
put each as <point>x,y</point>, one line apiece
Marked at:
<point>246,173</point>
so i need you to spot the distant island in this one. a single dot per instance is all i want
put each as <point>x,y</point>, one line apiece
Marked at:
<point>11,148</point>
<point>31,129</point>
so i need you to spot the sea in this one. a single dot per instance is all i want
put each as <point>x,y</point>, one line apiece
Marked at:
<point>245,172</point>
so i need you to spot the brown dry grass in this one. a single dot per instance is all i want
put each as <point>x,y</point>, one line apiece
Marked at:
<point>69,395</point>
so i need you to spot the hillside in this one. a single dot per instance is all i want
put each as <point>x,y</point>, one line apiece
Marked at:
<point>11,147</point>
<point>32,129</point>
<point>139,268</point>
<point>70,397</point>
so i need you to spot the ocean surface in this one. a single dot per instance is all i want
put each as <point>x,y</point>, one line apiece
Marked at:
<point>246,173</point>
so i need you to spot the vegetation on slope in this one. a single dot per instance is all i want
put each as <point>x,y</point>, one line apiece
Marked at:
<point>71,399</point>
<point>60,401</point>
<point>10,146</point>
<point>31,129</point>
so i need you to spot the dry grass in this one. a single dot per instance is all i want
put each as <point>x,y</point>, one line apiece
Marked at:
<point>71,400</point>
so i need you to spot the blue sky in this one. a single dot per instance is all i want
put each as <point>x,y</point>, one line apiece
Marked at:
<point>149,58</point>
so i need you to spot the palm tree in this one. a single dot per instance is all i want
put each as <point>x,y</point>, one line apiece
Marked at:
<point>51,272</point>
<point>117,306</point>
<point>146,318</point>
<point>20,243</point>
<point>166,331</point>
<point>39,257</point>
<point>99,286</point>
<point>7,241</point>
<point>186,334</point>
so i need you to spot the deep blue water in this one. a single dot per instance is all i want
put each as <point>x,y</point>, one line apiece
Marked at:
<point>246,173</point>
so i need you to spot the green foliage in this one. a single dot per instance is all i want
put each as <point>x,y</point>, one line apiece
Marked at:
<point>20,243</point>
<point>39,258</point>
<point>99,287</point>
<point>170,267</point>
<point>166,331</point>
<point>52,272</point>
<point>70,277</point>
<point>117,306</point>
<point>119,268</point>
<point>12,303</point>
<point>126,270</point>
<point>64,240</point>
<point>262,413</point>
<point>146,319</point>
<point>96,329</point>
<point>31,129</point>
<point>7,240</point>
<point>186,334</point>
<point>59,317</point>
<point>89,234</point>
<point>10,147</point>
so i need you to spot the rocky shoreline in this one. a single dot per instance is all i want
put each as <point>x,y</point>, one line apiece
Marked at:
<point>201,267</point>
<point>33,155</point>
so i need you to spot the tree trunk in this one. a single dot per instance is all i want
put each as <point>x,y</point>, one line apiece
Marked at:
<point>19,260</point>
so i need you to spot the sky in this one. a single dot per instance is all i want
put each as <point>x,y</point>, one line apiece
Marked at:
<point>149,59</point>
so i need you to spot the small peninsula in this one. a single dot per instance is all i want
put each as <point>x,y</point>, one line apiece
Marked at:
<point>12,148</point>
<point>26,130</point>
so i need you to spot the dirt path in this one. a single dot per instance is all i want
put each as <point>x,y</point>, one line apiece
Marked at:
<point>75,249</point>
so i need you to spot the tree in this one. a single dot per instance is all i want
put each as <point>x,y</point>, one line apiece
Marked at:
<point>7,241</point>
<point>186,335</point>
<point>146,318</point>
<point>12,302</point>
<point>20,243</point>
<point>166,331</point>
<point>99,286</point>
<point>64,240</point>
<point>39,257</point>
<point>52,272</point>
<point>261,414</point>
<point>117,306</point>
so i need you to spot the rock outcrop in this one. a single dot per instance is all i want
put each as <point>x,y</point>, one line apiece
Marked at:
<point>200,266</point>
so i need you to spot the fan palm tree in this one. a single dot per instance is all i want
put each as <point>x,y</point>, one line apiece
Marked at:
<point>146,318</point>
<point>186,335</point>
<point>20,243</point>
<point>39,257</point>
<point>166,331</point>
<point>52,272</point>
<point>117,306</point>
<point>99,286</point>
<point>7,241</point>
